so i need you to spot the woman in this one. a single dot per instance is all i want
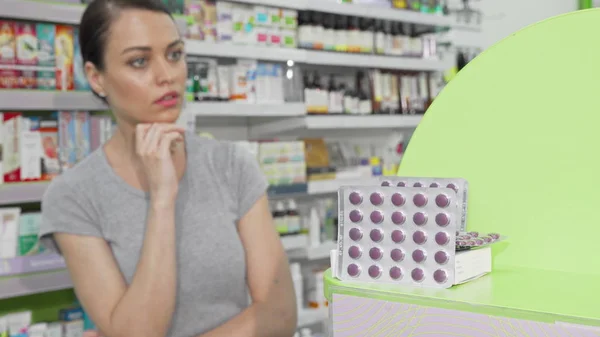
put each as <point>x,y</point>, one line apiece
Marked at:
<point>164,233</point>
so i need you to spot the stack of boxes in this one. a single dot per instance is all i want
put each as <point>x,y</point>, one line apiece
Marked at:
<point>40,56</point>
<point>228,22</point>
<point>39,146</point>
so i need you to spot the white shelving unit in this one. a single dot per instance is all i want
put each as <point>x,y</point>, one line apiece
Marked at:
<point>330,122</point>
<point>225,109</point>
<point>49,100</point>
<point>313,253</point>
<point>34,284</point>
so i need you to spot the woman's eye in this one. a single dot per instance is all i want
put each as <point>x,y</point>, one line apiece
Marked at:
<point>138,63</point>
<point>175,55</point>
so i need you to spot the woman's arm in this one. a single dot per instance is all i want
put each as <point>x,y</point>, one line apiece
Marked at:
<point>273,311</point>
<point>145,307</point>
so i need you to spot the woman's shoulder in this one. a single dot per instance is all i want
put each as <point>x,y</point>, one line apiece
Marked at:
<point>82,176</point>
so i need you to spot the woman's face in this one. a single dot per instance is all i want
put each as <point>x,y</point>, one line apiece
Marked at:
<point>145,73</point>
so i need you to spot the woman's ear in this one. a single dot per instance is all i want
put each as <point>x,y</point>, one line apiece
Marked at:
<point>95,79</point>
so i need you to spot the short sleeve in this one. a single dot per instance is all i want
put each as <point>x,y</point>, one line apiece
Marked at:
<point>248,181</point>
<point>65,211</point>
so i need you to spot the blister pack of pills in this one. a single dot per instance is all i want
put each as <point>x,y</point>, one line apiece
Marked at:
<point>459,185</point>
<point>474,240</point>
<point>401,235</point>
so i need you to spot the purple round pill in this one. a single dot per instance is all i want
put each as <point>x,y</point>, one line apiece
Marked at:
<point>395,273</point>
<point>385,183</point>
<point>356,216</point>
<point>398,199</point>
<point>419,256</point>
<point>440,276</point>
<point>353,270</point>
<point>354,252</point>
<point>441,257</point>
<point>376,217</point>
<point>452,186</point>
<point>397,255</point>
<point>494,236</point>
<point>479,242</point>
<point>417,275</point>
<point>376,198</point>
<point>355,234</point>
<point>442,201</point>
<point>474,234</point>
<point>442,219</point>
<point>374,271</point>
<point>401,184</point>
<point>376,235</point>
<point>487,239</point>
<point>442,238</point>
<point>462,243</point>
<point>420,218</point>
<point>398,218</point>
<point>398,236</point>
<point>375,253</point>
<point>434,185</point>
<point>417,184</point>
<point>355,198</point>
<point>420,200</point>
<point>419,237</point>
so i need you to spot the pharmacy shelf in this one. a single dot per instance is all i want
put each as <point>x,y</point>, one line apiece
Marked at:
<point>307,317</point>
<point>23,100</point>
<point>367,11</point>
<point>228,50</point>
<point>34,284</point>
<point>314,57</point>
<point>313,253</point>
<point>41,11</point>
<point>294,242</point>
<point>227,109</point>
<point>333,122</point>
<point>22,193</point>
<point>331,186</point>
<point>374,61</point>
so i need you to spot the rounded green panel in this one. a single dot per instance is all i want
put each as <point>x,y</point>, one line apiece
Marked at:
<point>522,124</point>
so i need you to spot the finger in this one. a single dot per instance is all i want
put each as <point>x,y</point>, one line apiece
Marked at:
<point>172,128</point>
<point>140,134</point>
<point>152,139</point>
<point>167,140</point>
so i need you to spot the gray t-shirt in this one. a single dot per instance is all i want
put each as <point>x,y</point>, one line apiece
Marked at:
<point>221,183</point>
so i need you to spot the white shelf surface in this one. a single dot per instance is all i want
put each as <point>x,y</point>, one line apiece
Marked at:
<point>34,284</point>
<point>294,241</point>
<point>313,253</point>
<point>22,193</point>
<point>229,50</point>
<point>337,122</point>
<point>331,186</point>
<point>231,109</point>
<point>22,100</point>
<point>373,61</point>
<point>308,317</point>
<point>41,11</point>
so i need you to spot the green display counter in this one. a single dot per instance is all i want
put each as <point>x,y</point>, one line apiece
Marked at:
<point>521,123</point>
